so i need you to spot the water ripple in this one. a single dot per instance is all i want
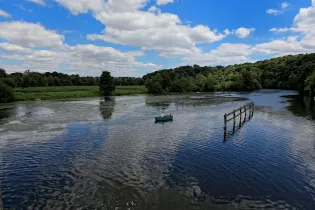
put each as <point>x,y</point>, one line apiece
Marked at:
<point>79,157</point>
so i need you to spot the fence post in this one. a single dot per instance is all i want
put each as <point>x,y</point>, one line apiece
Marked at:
<point>234,120</point>
<point>253,109</point>
<point>240,117</point>
<point>225,122</point>
<point>245,113</point>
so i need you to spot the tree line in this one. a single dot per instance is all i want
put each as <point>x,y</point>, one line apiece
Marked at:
<point>289,72</point>
<point>35,79</point>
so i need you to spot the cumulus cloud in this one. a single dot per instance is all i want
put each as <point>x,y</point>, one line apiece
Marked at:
<point>273,11</point>
<point>284,5</point>
<point>130,22</point>
<point>97,59</point>
<point>40,2</point>
<point>11,48</point>
<point>244,32</point>
<point>154,9</point>
<point>38,48</point>
<point>29,34</point>
<point>225,54</point>
<point>289,46</point>
<point>4,14</point>
<point>127,24</point>
<point>162,2</point>
<point>303,42</point>
<point>279,30</point>
<point>82,59</point>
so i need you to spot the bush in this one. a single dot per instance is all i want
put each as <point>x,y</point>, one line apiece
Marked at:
<point>9,82</point>
<point>6,93</point>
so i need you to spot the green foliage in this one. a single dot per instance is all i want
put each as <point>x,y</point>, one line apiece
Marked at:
<point>201,82</point>
<point>106,83</point>
<point>155,84</point>
<point>3,74</point>
<point>288,72</point>
<point>210,83</point>
<point>35,79</point>
<point>124,81</point>
<point>6,93</point>
<point>310,84</point>
<point>9,82</point>
<point>59,92</point>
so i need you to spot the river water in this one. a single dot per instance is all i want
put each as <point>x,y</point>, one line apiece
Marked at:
<point>109,154</point>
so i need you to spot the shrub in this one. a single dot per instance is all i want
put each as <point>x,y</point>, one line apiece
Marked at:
<point>6,93</point>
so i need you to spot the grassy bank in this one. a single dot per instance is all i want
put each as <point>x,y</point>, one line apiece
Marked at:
<point>59,92</point>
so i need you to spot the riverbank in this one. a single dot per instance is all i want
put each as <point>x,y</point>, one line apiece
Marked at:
<point>60,92</point>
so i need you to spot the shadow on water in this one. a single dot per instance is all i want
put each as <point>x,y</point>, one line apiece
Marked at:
<point>6,113</point>
<point>107,107</point>
<point>302,106</point>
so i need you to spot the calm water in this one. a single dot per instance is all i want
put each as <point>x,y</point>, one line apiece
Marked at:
<point>96,154</point>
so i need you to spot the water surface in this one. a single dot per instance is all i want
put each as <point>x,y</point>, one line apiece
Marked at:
<point>109,154</point>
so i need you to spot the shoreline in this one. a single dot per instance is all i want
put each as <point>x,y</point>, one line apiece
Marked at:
<point>68,92</point>
<point>74,92</point>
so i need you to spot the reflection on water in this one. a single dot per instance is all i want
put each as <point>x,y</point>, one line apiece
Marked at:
<point>107,107</point>
<point>109,154</point>
<point>302,106</point>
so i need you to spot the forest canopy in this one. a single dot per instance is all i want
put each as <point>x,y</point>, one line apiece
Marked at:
<point>289,72</point>
<point>36,79</point>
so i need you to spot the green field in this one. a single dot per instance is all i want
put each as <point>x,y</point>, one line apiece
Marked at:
<point>59,92</point>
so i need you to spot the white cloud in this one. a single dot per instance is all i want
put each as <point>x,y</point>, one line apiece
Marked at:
<point>284,5</point>
<point>225,54</point>
<point>96,59</point>
<point>4,14</point>
<point>82,59</point>
<point>82,6</point>
<point>14,48</point>
<point>162,2</point>
<point>290,45</point>
<point>126,23</point>
<point>273,12</point>
<point>40,49</point>
<point>154,9</point>
<point>40,2</point>
<point>279,30</point>
<point>29,34</point>
<point>244,32</point>
<point>303,42</point>
<point>228,32</point>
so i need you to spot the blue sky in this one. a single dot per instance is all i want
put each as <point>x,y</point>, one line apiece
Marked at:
<point>135,37</point>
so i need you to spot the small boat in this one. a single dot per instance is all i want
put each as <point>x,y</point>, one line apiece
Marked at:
<point>164,119</point>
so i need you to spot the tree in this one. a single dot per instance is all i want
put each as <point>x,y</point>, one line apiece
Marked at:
<point>310,84</point>
<point>200,81</point>
<point>106,83</point>
<point>210,83</point>
<point>51,81</point>
<point>6,93</point>
<point>3,74</point>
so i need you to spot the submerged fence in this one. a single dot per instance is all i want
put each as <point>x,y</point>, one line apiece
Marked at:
<point>248,109</point>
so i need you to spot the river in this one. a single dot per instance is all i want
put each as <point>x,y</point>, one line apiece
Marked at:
<point>96,154</point>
